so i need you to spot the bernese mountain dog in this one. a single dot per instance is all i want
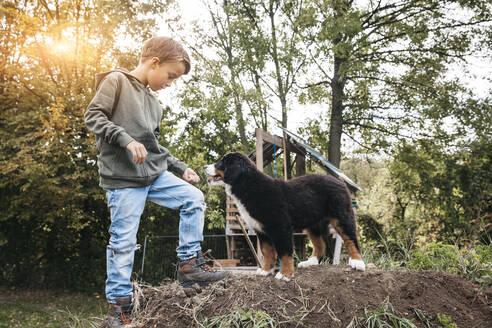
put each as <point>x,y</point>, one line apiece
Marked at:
<point>274,208</point>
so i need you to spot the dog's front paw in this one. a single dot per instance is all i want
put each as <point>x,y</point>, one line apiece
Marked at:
<point>280,276</point>
<point>264,273</point>
<point>313,260</point>
<point>357,264</point>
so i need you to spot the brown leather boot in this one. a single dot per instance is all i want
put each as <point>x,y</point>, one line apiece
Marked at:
<point>119,314</point>
<point>196,270</point>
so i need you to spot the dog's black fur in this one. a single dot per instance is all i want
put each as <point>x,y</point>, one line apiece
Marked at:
<point>307,202</point>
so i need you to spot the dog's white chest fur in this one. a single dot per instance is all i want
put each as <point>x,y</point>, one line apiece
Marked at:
<point>252,223</point>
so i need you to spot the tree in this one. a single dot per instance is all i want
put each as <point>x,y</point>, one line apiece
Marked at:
<point>258,43</point>
<point>446,181</point>
<point>54,218</point>
<point>383,65</point>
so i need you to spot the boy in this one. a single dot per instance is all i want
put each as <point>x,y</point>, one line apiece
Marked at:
<point>133,167</point>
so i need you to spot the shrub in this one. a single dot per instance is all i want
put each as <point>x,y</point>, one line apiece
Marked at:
<point>437,256</point>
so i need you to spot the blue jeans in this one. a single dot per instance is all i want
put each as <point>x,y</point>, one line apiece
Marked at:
<point>126,206</point>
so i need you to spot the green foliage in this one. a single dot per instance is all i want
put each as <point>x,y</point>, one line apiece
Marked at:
<point>382,317</point>
<point>449,192</point>
<point>445,321</point>
<point>54,218</point>
<point>53,309</point>
<point>388,253</point>
<point>437,256</point>
<point>382,68</point>
<point>390,63</point>
<point>472,262</point>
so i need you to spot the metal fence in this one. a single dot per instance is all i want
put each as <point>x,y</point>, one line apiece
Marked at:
<point>156,261</point>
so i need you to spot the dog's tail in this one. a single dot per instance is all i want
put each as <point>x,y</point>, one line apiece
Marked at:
<point>349,224</point>
<point>344,223</point>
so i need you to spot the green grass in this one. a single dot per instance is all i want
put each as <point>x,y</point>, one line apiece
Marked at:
<point>382,317</point>
<point>473,262</point>
<point>240,318</point>
<point>49,309</point>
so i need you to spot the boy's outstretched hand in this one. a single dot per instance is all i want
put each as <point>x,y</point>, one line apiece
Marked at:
<point>190,176</point>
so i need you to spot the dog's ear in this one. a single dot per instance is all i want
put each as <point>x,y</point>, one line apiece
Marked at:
<point>234,167</point>
<point>220,165</point>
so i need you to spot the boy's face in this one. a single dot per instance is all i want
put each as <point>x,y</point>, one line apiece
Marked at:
<point>161,76</point>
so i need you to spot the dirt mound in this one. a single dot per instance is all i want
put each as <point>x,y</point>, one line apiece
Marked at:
<point>322,296</point>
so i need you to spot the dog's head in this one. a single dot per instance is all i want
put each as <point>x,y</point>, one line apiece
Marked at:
<point>230,167</point>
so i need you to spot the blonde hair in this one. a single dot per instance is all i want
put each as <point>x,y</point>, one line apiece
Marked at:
<point>166,49</point>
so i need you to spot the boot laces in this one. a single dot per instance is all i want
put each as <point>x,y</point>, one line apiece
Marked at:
<point>205,266</point>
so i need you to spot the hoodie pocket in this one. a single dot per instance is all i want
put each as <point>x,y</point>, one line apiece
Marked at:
<point>123,165</point>
<point>155,162</point>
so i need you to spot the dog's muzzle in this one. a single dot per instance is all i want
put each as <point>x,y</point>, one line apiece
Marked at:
<point>216,179</point>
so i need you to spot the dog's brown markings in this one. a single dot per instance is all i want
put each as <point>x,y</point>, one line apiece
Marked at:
<point>318,244</point>
<point>269,255</point>
<point>287,265</point>
<point>349,243</point>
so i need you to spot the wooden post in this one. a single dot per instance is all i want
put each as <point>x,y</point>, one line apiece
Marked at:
<point>300,165</point>
<point>338,250</point>
<point>259,149</point>
<point>286,158</point>
<point>259,166</point>
<point>228,247</point>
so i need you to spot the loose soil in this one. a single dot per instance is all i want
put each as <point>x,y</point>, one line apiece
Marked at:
<point>322,296</point>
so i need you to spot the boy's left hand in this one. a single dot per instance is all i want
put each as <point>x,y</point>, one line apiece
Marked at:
<point>190,176</point>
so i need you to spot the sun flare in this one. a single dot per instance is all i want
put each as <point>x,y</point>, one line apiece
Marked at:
<point>60,46</point>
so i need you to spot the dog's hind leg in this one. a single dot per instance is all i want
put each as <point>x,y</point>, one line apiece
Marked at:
<point>269,255</point>
<point>349,236</point>
<point>319,248</point>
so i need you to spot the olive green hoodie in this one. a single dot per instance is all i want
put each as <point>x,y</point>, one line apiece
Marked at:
<point>124,110</point>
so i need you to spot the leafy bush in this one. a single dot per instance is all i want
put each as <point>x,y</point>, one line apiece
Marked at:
<point>437,256</point>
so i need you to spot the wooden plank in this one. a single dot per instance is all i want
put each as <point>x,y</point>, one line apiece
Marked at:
<point>234,226</point>
<point>267,137</point>
<point>235,234</point>
<point>226,263</point>
<point>228,247</point>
